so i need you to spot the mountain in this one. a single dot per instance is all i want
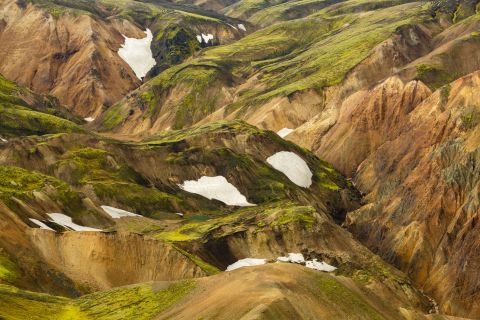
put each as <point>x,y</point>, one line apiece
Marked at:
<point>73,54</point>
<point>254,159</point>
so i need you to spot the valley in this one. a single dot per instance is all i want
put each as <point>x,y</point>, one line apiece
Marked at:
<point>251,159</point>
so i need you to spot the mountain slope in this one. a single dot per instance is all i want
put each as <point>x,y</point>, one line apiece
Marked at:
<point>271,78</point>
<point>73,53</point>
<point>315,293</point>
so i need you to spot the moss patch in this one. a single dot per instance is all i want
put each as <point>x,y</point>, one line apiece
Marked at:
<point>135,302</point>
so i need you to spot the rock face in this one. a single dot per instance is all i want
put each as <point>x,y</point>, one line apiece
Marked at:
<point>397,139</point>
<point>428,226</point>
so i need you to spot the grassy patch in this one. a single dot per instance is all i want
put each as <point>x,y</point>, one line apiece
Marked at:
<point>8,270</point>
<point>345,300</point>
<point>433,76</point>
<point>206,267</point>
<point>21,183</point>
<point>140,302</point>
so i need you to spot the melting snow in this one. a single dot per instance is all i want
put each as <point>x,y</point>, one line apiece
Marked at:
<point>116,213</point>
<point>41,224</point>
<point>3,140</point>
<point>312,264</point>
<point>216,188</point>
<point>89,119</point>
<point>247,262</point>
<point>241,26</point>
<point>207,37</point>
<point>292,257</point>
<point>138,54</point>
<point>199,38</point>
<point>284,132</point>
<point>294,167</point>
<point>67,222</point>
<point>232,26</point>
<point>322,266</point>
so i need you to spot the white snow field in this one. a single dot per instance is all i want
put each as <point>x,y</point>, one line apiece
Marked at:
<point>247,262</point>
<point>41,224</point>
<point>116,213</point>
<point>207,37</point>
<point>66,221</point>
<point>322,266</point>
<point>312,264</point>
<point>216,188</point>
<point>294,167</point>
<point>292,257</point>
<point>284,132</point>
<point>138,54</point>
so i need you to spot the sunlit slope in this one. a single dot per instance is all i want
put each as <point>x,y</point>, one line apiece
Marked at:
<point>279,61</point>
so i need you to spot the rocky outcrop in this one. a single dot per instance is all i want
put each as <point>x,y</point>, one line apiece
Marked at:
<point>427,225</point>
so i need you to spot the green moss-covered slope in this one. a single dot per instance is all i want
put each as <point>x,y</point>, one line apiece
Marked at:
<point>40,116</point>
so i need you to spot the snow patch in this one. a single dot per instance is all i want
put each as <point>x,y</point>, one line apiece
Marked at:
<point>67,222</point>
<point>232,26</point>
<point>89,119</point>
<point>284,132</point>
<point>179,214</point>
<point>116,213</point>
<point>312,264</point>
<point>41,224</point>
<point>322,266</point>
<point>199,38</point>
<point>242,27</point>
<point>216,188</point>
<point>294,167</point>
<point>293,258</point>
<point>247,262</point>
<point>138,54</point>
<point>207,37</point>
<point>3,140</point>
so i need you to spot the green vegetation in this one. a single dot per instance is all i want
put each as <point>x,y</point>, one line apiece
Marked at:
<point>116,182</point>
<point>260,217</point>
<point>206,267</point>
<point>434,76</point>
<point>345,300</point>
<point>114,116</point>
<point>21,183</point>
<point>8,270</point>
<point>18,118</point>
<point>285,216</point>
<point>134,302</point>
<point>470,118</point>
<point>17,304</point>
<point>332,42</point>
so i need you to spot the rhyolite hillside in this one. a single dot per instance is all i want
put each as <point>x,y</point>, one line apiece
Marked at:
<point>279,159</point>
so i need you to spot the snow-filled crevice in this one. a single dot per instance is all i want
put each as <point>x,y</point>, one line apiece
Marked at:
<point>138,54</point>
<point>66,222</point>
<point>116,213</point>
